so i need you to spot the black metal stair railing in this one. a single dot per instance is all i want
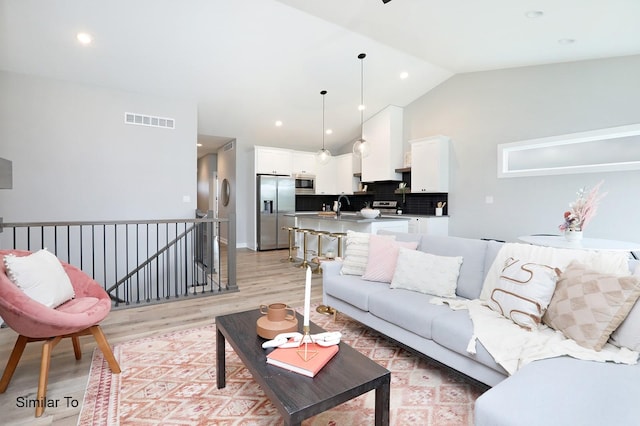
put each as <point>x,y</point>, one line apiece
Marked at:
<point>139,262</point>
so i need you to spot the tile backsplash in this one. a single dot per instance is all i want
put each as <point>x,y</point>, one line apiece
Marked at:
<point>418,203</point>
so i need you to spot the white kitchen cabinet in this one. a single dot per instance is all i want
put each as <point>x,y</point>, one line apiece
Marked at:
<point>345,181</point>
<point>383,132</point>
<point>432,225</point>
<point>430,164</point>
<point>275,161</point>
<point>305,163</point>
<point>326,178</point>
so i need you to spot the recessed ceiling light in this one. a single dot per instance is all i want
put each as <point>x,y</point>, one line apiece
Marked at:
<point>361,107</point>
<point>566,41</point>
<point>534,14</point>
<point>329,131</point>
<point>198,145</point>
<point>84,38</point>
<point>278,123</point>
<point>404,75</point>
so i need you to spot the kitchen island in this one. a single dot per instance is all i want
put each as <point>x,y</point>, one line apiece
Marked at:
<point>347,221</point>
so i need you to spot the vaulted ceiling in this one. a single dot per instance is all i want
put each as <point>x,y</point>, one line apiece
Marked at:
<point>249,63</point>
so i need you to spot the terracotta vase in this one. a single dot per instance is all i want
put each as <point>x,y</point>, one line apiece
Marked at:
<point>277,318</point>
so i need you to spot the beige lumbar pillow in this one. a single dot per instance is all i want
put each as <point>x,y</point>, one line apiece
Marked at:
<point>523,292</point>
<point>588,306</point>
<point>41,276</point>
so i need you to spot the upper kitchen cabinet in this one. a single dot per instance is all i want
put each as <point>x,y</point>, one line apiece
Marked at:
<point>326,178</point>
<point>383,132</point>
<point>305,163</point>
<point>345,181</point>
<point>273,161</point>
<point>430,164</point>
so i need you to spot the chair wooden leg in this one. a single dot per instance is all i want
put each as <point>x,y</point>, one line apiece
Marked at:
<point>105,348</point>
<point>47,347</point>
<point>14,358</point>
<point>76,347</point>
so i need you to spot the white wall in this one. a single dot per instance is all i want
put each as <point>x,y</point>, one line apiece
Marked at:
<point>481,110</point>
<point>75,159</point>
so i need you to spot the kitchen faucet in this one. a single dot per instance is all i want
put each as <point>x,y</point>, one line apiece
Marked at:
<point>338,209</point>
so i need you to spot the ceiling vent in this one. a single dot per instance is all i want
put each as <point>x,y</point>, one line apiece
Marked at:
<point>149,120</point>
<point>228,147</point>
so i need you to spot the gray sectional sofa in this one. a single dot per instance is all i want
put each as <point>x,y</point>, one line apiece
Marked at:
<point>556,391</point>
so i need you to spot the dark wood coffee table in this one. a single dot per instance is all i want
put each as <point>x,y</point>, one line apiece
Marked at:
<point>297,397</point>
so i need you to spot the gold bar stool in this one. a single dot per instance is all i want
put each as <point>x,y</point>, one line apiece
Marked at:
<point>305,232</point>
<point>339,236</point>
<point>292,245</point>
<point>319,234</point>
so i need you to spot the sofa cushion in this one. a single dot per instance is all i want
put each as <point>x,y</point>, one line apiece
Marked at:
<point>407,309</point>
<point>473,254</point>
<point>588,306</point>
<point>493,247</point>
<point>454,331</point>
<point>403,236</point>
<point>523,292</point>
<point>628,333</point>
<point>563,391</point>
<point>427,273</point>
<point>383,256</point>
<point>352,289</point>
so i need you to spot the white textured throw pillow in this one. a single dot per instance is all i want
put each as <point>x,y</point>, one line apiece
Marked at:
<point>426,273</point>
<point>523,292</point>
<point>41,276</point>
<point>356,252</point>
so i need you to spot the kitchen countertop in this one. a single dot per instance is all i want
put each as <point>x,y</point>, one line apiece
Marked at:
<point>354,217</point>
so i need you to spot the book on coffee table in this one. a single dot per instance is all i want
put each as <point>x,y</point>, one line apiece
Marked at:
<point>291,359</point>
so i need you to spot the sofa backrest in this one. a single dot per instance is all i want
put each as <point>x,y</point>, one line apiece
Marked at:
<point>474,259</point>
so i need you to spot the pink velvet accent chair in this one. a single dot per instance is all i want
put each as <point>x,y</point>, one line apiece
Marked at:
<point>34,321</point>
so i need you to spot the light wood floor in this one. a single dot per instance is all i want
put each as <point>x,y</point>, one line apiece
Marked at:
<point>262,278</point>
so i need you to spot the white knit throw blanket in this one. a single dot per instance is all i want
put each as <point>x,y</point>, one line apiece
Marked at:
<point>512,346</point>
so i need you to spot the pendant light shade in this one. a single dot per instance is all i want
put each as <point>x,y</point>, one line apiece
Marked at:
<point>361,147</point>
<point>323,156</point>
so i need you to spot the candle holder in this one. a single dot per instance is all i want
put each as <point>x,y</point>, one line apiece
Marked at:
<point>306,354</point>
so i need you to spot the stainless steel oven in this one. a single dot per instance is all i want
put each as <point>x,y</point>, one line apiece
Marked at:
<point>305,184</point>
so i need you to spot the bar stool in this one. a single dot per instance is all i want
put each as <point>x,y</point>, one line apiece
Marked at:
<point>339,236</point>
<point>292,245</point>
<point>319,234</point>
<point>305,232</point>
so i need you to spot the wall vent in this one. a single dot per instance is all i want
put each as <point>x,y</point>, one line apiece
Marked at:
<point>228,147</point>
<point>149,120</point>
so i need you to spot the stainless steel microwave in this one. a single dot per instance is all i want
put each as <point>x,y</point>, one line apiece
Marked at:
<point>305,184</point>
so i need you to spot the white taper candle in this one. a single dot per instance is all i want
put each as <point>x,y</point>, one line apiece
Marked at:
<point>307,297</point>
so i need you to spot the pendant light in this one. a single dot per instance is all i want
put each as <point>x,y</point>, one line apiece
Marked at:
<point>361,147</point>
<point>323,156</point>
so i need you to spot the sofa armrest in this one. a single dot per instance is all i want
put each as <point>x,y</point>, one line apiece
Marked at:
<point>331,268</point>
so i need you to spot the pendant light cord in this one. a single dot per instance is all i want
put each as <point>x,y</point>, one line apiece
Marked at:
<point>324,92</point>
<point>361,57</point>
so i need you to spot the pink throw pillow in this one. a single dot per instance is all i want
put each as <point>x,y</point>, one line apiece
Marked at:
<point>383,256</point>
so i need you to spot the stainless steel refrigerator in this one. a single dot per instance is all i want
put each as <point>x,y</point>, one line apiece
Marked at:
<point>276,195</point>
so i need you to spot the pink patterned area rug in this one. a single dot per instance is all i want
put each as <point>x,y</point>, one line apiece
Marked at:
<point>171,380</point>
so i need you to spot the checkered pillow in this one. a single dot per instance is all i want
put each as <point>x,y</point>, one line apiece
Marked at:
<point>588,306</point>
